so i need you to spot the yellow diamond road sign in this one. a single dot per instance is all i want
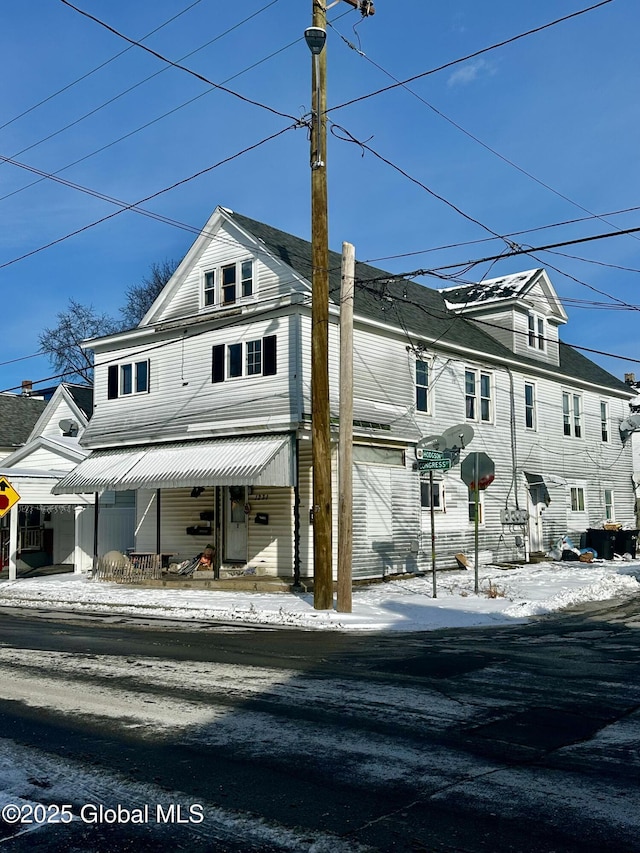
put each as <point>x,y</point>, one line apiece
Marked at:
<point>8,496</point>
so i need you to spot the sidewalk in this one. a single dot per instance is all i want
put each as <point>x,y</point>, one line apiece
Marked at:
<point>506,596</point>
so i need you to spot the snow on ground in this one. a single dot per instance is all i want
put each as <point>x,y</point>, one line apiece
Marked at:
<point>505,596</point>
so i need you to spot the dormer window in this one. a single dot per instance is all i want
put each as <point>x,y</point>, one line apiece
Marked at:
<point>536,331</point>
<point>228,284</point>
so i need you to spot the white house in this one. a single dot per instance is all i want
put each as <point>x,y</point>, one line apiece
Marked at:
<point>44,529</point>
<point>204,411</point>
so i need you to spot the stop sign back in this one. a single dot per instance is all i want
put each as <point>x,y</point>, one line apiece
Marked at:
<point>480,465</point>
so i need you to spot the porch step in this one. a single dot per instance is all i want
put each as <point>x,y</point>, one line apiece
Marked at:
<point>242,583</point>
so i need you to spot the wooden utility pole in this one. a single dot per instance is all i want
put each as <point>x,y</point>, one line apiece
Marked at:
<point>320,417</point>
<point>345,444</point>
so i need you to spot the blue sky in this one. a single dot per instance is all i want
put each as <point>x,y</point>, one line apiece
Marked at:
<point>560,105</point>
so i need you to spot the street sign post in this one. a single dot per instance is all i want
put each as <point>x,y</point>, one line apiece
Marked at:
<point>478,471</point>
<point>8,496</point>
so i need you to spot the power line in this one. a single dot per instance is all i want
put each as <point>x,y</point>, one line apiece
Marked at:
<point>475,138</point>
<point>509,234</point>
<point>468,56</point>
<point>126,92</point>
<point>153,195</point>
<point>195,74</point>
<point>94,70</point>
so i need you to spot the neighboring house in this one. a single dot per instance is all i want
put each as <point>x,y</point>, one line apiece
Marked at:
<point>18,414</point>
<point>204,410</point>
<point>45,529</point>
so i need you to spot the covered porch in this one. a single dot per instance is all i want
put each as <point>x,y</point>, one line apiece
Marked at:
<point>237,496</point>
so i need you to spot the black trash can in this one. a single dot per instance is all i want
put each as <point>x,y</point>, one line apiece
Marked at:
<point>626,542</point>
<point>602,541</point>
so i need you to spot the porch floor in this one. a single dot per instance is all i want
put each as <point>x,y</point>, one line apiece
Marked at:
<point>40,571</point>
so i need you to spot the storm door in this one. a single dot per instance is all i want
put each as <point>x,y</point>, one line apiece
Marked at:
<point>235,524</point>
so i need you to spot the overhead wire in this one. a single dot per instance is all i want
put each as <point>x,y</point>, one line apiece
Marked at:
<point>128,91</point>
<point>178,65</point>
<point>97,68</point>
<point>469,56</point>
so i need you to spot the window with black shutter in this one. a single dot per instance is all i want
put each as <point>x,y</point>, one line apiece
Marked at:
<point>217,368</point>
<point>269,356</point>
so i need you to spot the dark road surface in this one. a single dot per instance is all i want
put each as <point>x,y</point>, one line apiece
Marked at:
<point>524,738</point>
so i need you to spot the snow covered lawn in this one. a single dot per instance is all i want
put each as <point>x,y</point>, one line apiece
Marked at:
<point>506,595</point>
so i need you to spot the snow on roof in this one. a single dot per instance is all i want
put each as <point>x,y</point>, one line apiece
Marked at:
<point>489,290</point>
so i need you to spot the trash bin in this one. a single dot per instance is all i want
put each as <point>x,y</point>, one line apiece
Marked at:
<point>602,541</point>
<point>626,542</point>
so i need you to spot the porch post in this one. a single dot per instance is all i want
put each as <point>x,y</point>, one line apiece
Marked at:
<point>96,514</point>
<point>13,543</point>
<point>158,508</point>
<point>77,531</point>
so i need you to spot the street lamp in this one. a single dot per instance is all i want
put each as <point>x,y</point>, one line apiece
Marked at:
<point>315,38</point>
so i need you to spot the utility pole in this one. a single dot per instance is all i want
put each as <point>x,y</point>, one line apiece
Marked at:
<point>315,37</point>
<point>345,442</point>
<point>320,417</point>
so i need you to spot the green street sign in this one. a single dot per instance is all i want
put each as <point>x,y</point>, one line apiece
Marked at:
<point>434,465</point>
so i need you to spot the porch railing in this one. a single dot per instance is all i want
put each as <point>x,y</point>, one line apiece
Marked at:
<point>123,569</point>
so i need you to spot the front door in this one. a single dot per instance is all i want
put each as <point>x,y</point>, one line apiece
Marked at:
<point>537,505</point>
<point>235,524</point>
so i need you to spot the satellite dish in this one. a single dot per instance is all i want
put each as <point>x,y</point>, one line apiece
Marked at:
<point>457,437</point>
<point>68,426</point>
<point>629,425</point>
<point>433,442</point>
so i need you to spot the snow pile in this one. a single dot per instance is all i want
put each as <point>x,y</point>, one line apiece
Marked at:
<point>505,596</point>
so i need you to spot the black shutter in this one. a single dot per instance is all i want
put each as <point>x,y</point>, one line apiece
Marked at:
<point>269,356</point>
<point>112,382</point>
<point>217,367</point>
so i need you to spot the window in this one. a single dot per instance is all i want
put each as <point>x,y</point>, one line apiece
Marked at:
<point>604,421</point>
<point>577,499</point>
<point>253,358</point>
<point>224,286</point>
<point>422,386</point>
<point>572,414</point>
<point>478,403</point>
<point>529,405</point>
<point>536,331</point>
<point>209,288</point>
<point>609,512</point>
<point>126,379</point>
<point>472,506</point>
<point>434,495</point>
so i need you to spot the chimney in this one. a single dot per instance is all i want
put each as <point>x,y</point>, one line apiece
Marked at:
<point>629,378</point>
<point>27,387</point>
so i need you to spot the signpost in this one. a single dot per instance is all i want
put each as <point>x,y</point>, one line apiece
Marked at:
<point>8,496</point>
<point>432,460</point>
<point>477,471</point>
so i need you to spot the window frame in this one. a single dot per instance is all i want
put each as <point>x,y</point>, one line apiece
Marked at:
<point>531,407</point>
<point>425,495</point>
<point>228,284</point>
<point>232,361</point>
<point>128,379</point>
<point>605,432</point>
<point>577,501</point>
<point>536,331</point>
<point>572,414</point>
<point>480,401</point>
<point>423,392</point>
<point>610,504</point>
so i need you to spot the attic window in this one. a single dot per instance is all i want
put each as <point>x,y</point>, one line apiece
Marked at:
<point>536,331</point>
<point>228,284</point>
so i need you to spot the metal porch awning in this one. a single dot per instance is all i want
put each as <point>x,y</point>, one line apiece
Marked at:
<point>265,460</point>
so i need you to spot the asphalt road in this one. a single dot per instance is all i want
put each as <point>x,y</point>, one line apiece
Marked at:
<point>524,738</point>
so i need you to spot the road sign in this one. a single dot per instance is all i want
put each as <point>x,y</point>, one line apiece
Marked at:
<point>8,496</point>
<point>423,453</point>
<point>434,465</point>
<point>478,465</point>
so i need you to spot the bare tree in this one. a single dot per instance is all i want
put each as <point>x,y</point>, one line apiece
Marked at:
<point>140,297</point>
<point>62,342</point>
